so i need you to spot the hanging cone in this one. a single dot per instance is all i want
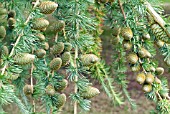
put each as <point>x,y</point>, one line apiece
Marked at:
<point>5,51</point>
<point>65,58</point>
<point>57,48</point>
<point>61,99</point>
<point>159,71</point>
<point>48,7</point>
<point>3,11</point>
<point>11,22</point>
<point>40,24</point>
<point>157,80</point>
<point>41,37</point>
<point>2,32</point>
<point>90,92</point>
<point>149,78</point>
<point>144,53</point>
<point>147,88</point>
<point>127,45</point>
<point>140,78</point>
<point>127,33</point>
<point>136,68</point>
<point>61,85</point>
<point>50,90</point>
<point>40,53</point>
<point>59,25</point>
<point>28,90</point>
<point>67,46</point>
<point>89,59</point>
<point>11,14</point>
<point>159,33</point>
<point>24,58</point>
<point>45,46</point>
<point>132,58</point>
<point>56,63</point>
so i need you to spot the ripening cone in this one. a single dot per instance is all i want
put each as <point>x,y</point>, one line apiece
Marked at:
<point>11,22</point>
<point>65,58</point>
<point>159,71</point>
<point>5,50</point>
<point>59,25</point>
<point>149,78</point>
<point>40,23</point>
<point>67,46</point>
<point>144,53</point>
<point>157,80</point>
<point>11,14</point>
<point>127,33</point>
<point>48,7</point>
<point>40,53</point>
<point>3,11</point>
<point>140,78</point>
<point>45,46</point>
<point>147,88</point>
<point>90,92</point>
<point>56,63</point>
<point>2,32</point>
<point>132,58</point>
<point>28,89</point>
<point>24,58</point>
<point>61,99</point>
<point>57,48</point>
<point>127,45</point>
<point>61,85</point>
<point>41,37</point>
<point>89,59</point>
<point>136,68</point>
<point>50,90</point>
<point>116,31</point>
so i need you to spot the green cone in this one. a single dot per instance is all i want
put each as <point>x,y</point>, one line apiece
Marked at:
<point>56,63</point>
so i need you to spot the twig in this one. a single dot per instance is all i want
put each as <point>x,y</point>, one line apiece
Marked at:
<point>32,85</point>
<point>64,33</point>
<point>159,96</point>
<point>76,56</point>
<point>56,37</point>
<point>121,7</point>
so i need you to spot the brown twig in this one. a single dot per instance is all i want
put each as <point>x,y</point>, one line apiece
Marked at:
<point>121,7</point>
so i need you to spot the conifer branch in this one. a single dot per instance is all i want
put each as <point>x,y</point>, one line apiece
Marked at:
<point>76,55</point>
<point>18,39</point>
